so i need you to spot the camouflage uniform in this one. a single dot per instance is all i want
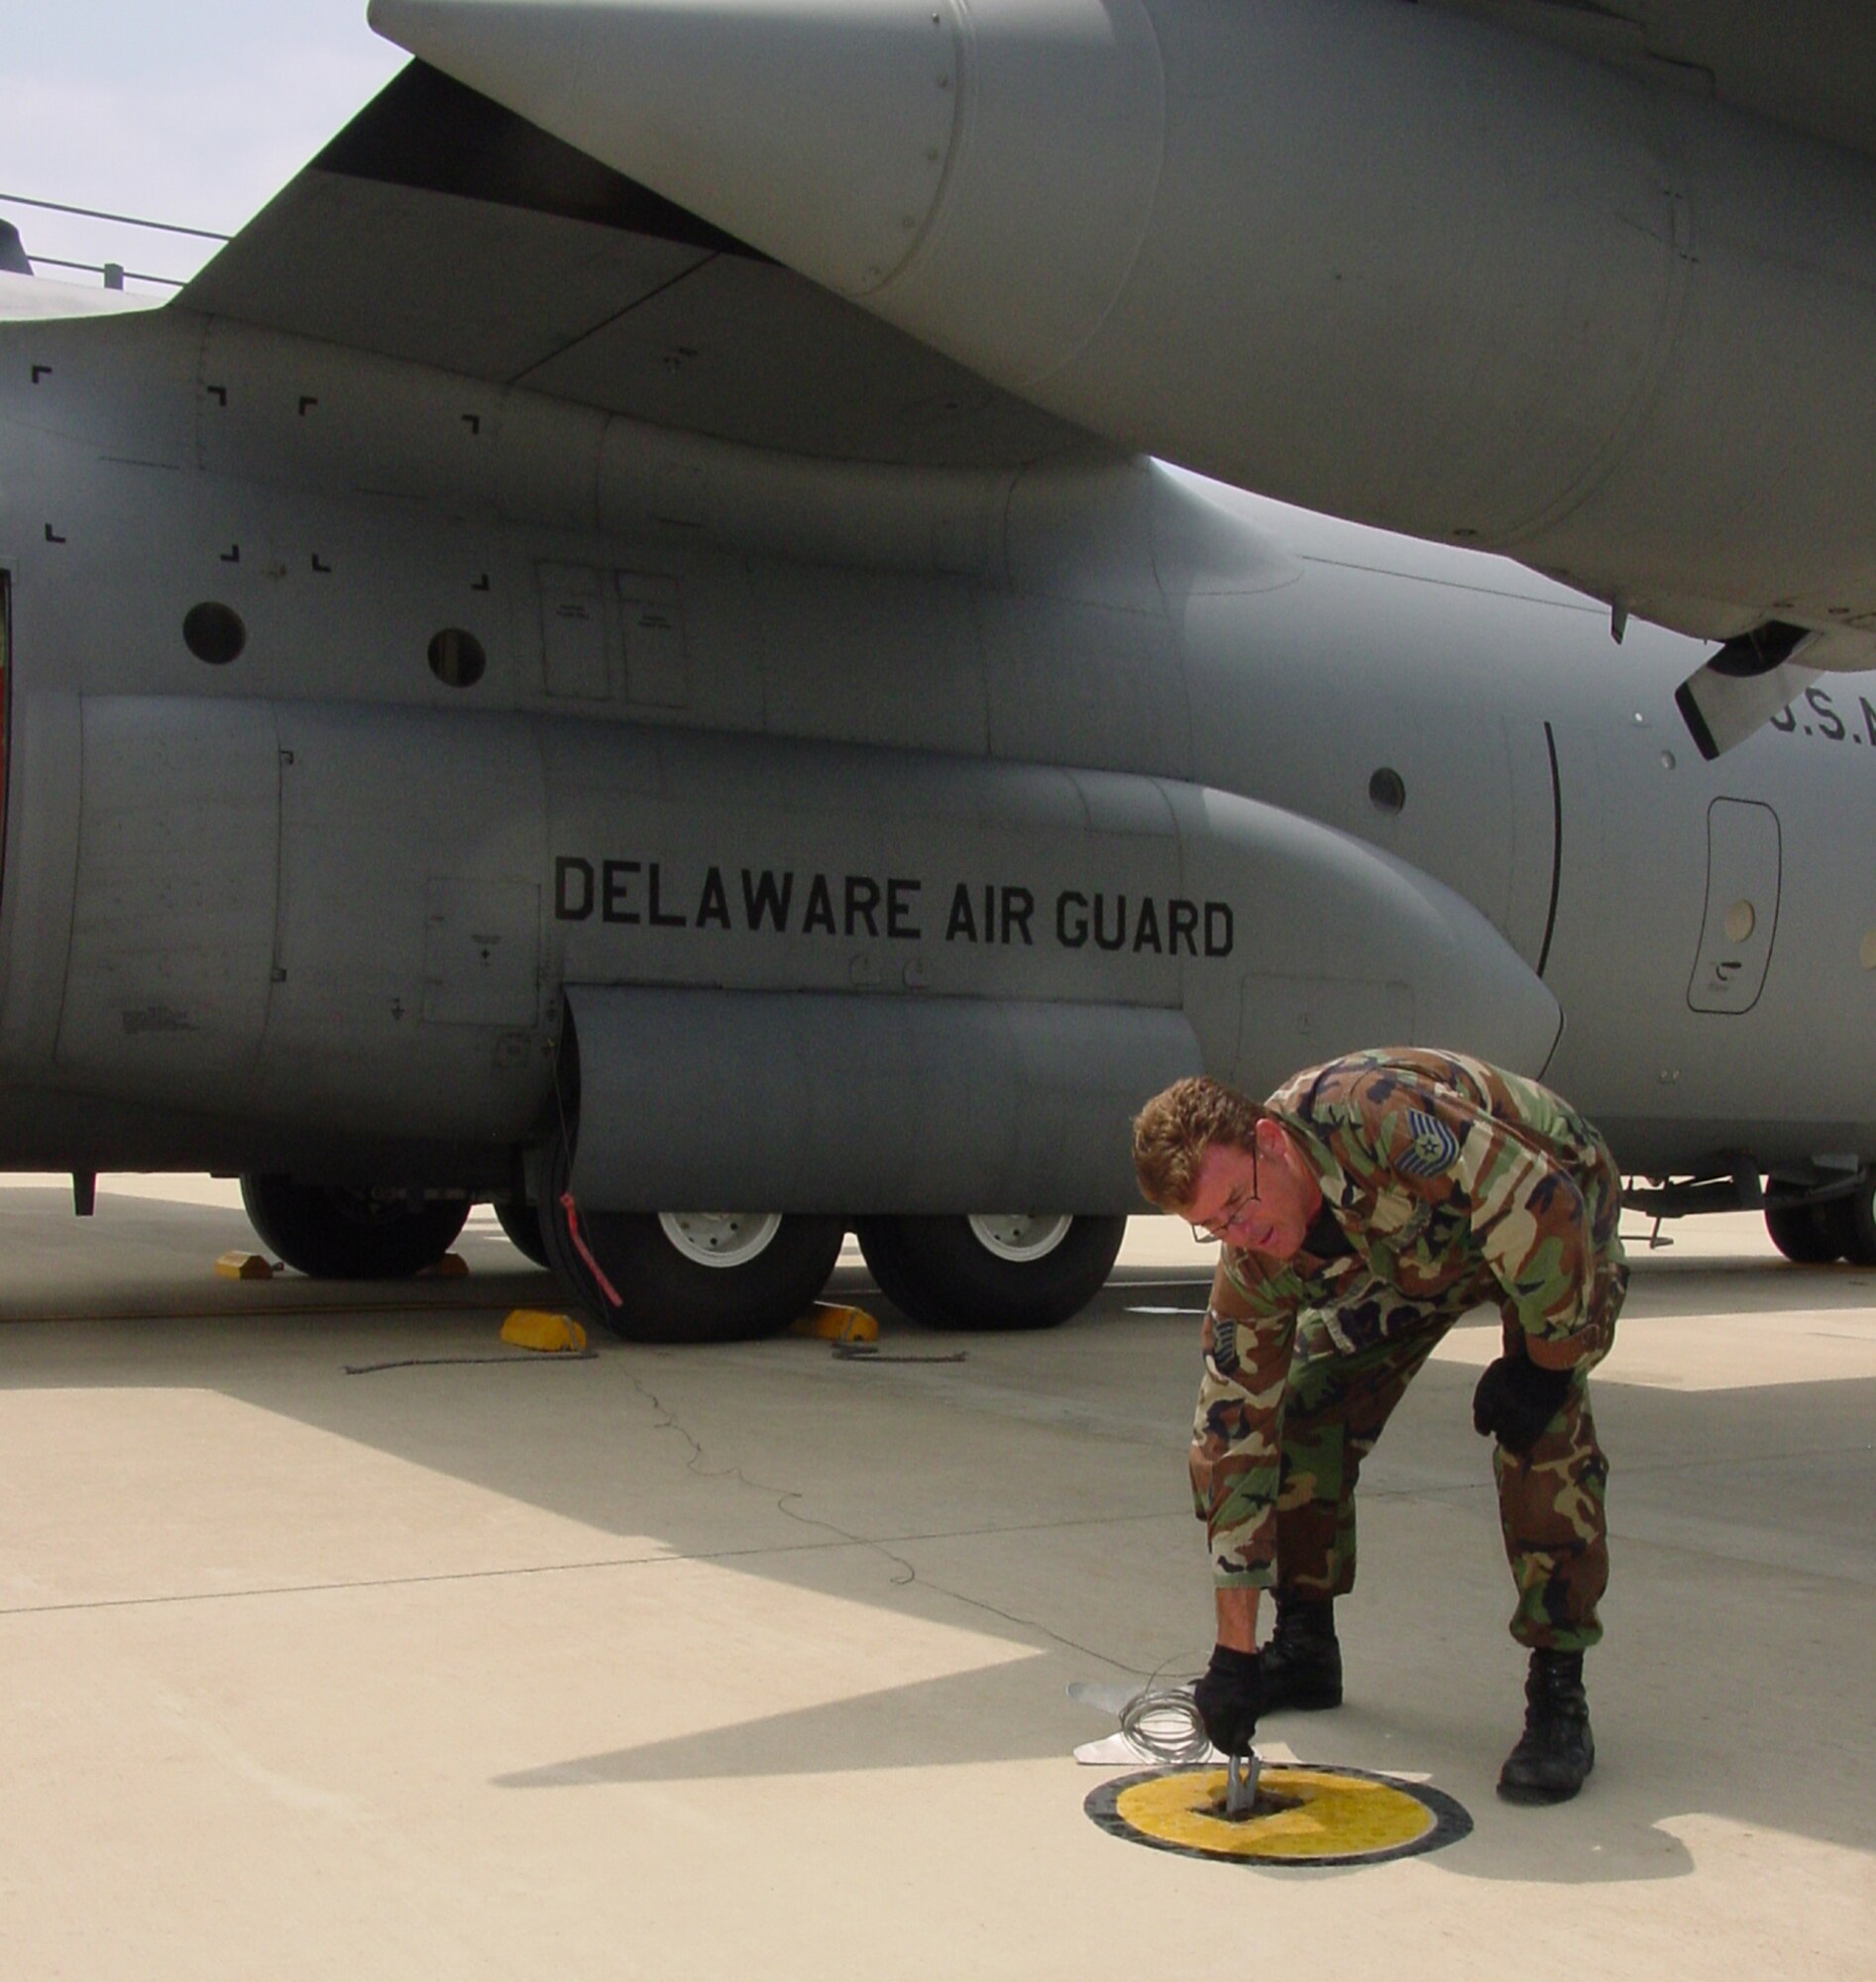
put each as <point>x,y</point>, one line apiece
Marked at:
<point>1451,1184</point>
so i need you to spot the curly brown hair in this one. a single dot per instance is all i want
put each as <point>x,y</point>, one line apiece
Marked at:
<point>1175,1130</point>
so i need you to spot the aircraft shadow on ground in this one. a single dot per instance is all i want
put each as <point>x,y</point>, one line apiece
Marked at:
<point>163,1270</point>
<point>1653,1770</point>
<point>1008,1711</point>
<point>966,1719</point>
<point>962,1717</point>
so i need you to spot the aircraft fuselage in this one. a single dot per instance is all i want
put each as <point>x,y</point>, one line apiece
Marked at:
<point>532,705</point>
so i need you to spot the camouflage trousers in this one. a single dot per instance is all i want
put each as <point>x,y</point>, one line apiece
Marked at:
<point>1550,1499</point>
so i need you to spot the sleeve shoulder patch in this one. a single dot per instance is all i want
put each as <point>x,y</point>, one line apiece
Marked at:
<point>1431,1146</point>
<point>1223,1356</point>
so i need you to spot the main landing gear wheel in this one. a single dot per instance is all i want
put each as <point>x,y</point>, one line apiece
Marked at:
<point>689,1275</point>
<point>991,1270</point>
<point>1810,1234</point>
<point>521,1222</point>
<point>333,1232</point>
<point>1852,1221</point>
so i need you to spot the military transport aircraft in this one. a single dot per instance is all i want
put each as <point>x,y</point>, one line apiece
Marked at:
<point>1593,284</point>
<point>511,693</point>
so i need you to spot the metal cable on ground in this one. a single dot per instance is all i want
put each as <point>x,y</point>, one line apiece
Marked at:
<point>438,1362</point>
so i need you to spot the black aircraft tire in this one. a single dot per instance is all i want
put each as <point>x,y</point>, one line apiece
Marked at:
<point>1853,1220</point>
<point>1809,1235</point>
<point>665,1297</point>
<point>942,1275</point>
<point>523,1224</point>
<point>331,1233</point>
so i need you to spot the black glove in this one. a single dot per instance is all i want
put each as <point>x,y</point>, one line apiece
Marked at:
<point>1228,1698</point>
<point>1516,1400</point>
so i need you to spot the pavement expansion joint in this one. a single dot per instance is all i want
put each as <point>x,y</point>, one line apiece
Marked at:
<point>783,1498</point>
<point>905,1571</point>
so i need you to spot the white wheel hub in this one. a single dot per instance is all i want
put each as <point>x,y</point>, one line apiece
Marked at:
<point>1020,1237</point>
<point>721,1238</point>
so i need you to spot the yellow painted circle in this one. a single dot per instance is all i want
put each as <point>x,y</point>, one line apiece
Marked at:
<point>1331,1817</point>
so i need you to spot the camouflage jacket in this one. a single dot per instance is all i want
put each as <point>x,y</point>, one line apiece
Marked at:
<point>1451,1183</point>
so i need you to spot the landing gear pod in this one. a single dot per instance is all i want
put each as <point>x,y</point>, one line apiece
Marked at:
<point>863,1104</point>
<point>820,1108</point>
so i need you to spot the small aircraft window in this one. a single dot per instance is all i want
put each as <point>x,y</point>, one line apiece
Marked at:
<point>456,659</point>
<point>1386,790</point>
<point>214,633</point>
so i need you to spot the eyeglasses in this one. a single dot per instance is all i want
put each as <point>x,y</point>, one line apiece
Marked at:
<point>1208,1234</point>
<point>1232,1211</point>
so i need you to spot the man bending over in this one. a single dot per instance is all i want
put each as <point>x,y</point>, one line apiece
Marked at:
<point>1361,1210</point>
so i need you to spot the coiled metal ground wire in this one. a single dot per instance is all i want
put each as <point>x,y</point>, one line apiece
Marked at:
<point>1163,1722</point>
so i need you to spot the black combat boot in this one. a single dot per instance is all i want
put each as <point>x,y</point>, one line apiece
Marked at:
<point>1302,1662</point>
<point>1557,1750</point>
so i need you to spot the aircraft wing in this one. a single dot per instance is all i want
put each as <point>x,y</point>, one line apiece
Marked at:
<point>440,228</point>
<point>1809,64</point>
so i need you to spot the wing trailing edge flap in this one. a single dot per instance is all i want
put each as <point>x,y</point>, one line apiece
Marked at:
<point>441,229</point>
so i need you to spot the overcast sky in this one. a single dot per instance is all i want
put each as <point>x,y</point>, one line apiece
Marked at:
<point>194,111</point>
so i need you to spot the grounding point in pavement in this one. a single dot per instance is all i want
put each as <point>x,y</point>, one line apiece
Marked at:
<point>1303,1816</point>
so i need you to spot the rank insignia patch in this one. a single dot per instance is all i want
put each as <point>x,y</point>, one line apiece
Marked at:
<point>1223,1356</point>
<point>1433,1149</point>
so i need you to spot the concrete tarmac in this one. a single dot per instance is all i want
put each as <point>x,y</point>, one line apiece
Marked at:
<point>334,1648</point>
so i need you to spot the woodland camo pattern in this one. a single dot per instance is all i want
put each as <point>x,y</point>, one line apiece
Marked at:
<point>1454,1186</point>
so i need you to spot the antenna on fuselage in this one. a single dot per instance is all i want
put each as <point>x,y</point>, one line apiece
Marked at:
<point>13,261</point>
